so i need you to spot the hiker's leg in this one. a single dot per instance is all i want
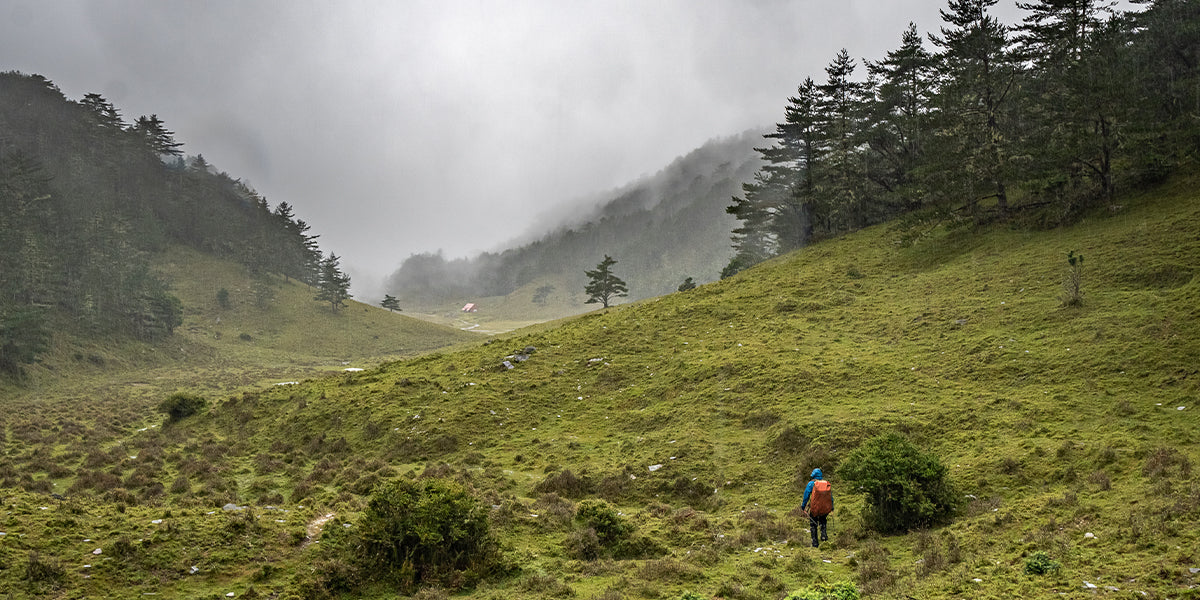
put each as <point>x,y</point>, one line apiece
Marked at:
<point>812,526</point>
<point>824,520</point>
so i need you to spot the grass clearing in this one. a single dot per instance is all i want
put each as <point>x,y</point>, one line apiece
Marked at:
<point>696,416</point>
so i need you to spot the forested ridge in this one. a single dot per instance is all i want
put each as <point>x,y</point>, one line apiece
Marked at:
<point>1042,121</point>
<point>663,229</point>
<point>979,121</point>
<point>86,198</point>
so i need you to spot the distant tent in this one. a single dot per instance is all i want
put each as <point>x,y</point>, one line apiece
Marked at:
<point>470,307</point>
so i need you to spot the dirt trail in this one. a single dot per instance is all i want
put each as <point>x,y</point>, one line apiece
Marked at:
<point>313,529</point>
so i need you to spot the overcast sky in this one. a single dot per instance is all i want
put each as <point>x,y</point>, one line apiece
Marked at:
<point>408,126</point>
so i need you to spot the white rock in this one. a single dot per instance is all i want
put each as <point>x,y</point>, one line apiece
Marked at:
<point>654,468</point>
<point>351,370</point>
<point>195,569</point>
<point>1089,536</point>
<point>977,580</point>
<point>97,551</point>
<point>1180,407</point>
<point>1089,586</point>
<point>1192,570</point>
<point>230,594</point>
<point>156,521</point>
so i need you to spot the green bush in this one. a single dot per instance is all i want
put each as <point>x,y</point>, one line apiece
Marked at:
<point>431,531</point>
<point>905,487</point>
<point>599,515</point>
<point>1039,563</point>
<point>841,590</point>
<point>181,405</point>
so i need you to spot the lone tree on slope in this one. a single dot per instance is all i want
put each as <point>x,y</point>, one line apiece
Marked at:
<point>333,286</point>
<point>390,302</point>
<point>603,285</point>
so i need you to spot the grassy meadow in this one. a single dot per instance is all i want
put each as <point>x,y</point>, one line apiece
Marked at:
<point>1068,430</point>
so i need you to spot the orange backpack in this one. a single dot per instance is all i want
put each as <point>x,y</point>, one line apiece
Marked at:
<point>821,502</point>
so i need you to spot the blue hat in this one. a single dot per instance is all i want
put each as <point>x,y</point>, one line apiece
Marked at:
<point>817,474</point>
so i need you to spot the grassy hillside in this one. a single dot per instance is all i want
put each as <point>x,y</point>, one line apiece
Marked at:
<point>1055,423</point>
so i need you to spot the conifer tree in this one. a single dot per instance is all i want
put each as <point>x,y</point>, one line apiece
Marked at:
<point>840,191</point>
<point>333,286</point>
<point>603,286</point>
<point>156,136</point>
<point>390,302</point>
<point>979,74</point>
<point>899,123</point>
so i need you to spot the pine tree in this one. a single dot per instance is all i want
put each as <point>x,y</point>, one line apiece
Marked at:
<point>979,75</point>
<point>841,173</point>
<point>156,136</point>
<point>899,121</point>
<point>390,302</point>
<point>333,286</point>
<point>1074,101</point>
<point>603,286</point>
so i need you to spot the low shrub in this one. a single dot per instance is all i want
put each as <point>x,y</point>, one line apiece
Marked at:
<point>906,488</point>
<point>566,484</point>
<point>429,531</point>
<point>600,516</point>
<point>841,590</point>
<point>1040,563</point>
<point>181,405</point>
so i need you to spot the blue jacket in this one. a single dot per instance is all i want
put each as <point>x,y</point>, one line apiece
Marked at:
<point>816,474</point>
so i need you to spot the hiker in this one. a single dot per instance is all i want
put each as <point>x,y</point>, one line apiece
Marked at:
<point>820,496</point>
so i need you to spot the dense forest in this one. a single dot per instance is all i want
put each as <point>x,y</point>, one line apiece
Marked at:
<point>662,229</point>
<point>86,198</point>
<point>1041,120</point>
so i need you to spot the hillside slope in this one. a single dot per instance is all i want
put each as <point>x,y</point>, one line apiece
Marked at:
<point>661,229</point>
<point>697,415</point>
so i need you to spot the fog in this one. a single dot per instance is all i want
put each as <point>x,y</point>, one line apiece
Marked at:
<point>412,126</point>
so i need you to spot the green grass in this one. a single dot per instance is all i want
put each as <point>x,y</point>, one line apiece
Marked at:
<point>1056,421</point>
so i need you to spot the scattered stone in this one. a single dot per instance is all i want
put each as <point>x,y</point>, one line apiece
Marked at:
<point>1089,536</point>
<point>507,365</point>
<point>229,595</point>
<point>1112,588</point>
<point>1192,570</point>
<point>156,521</point>
<point>1180,408</point>
<point>977,580</point>
<point>231,507</point>
<point>195,569</point>
<point>349,370</point>
<point>520,357</point>
<point>1089,586</point>
<point>654,468</point>
<point>97,551</point>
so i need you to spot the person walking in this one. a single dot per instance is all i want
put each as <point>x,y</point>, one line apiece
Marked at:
<point>818,494</point>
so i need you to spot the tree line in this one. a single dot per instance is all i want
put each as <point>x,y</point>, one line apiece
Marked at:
<point>1048,116</point>
<point>86,198</point>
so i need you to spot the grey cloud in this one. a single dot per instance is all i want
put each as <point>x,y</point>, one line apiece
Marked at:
<point>400,127</point>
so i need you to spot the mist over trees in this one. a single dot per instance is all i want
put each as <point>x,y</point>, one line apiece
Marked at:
<point>670,223</point>
<point>86,199</point>
<point>1043,120</point>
